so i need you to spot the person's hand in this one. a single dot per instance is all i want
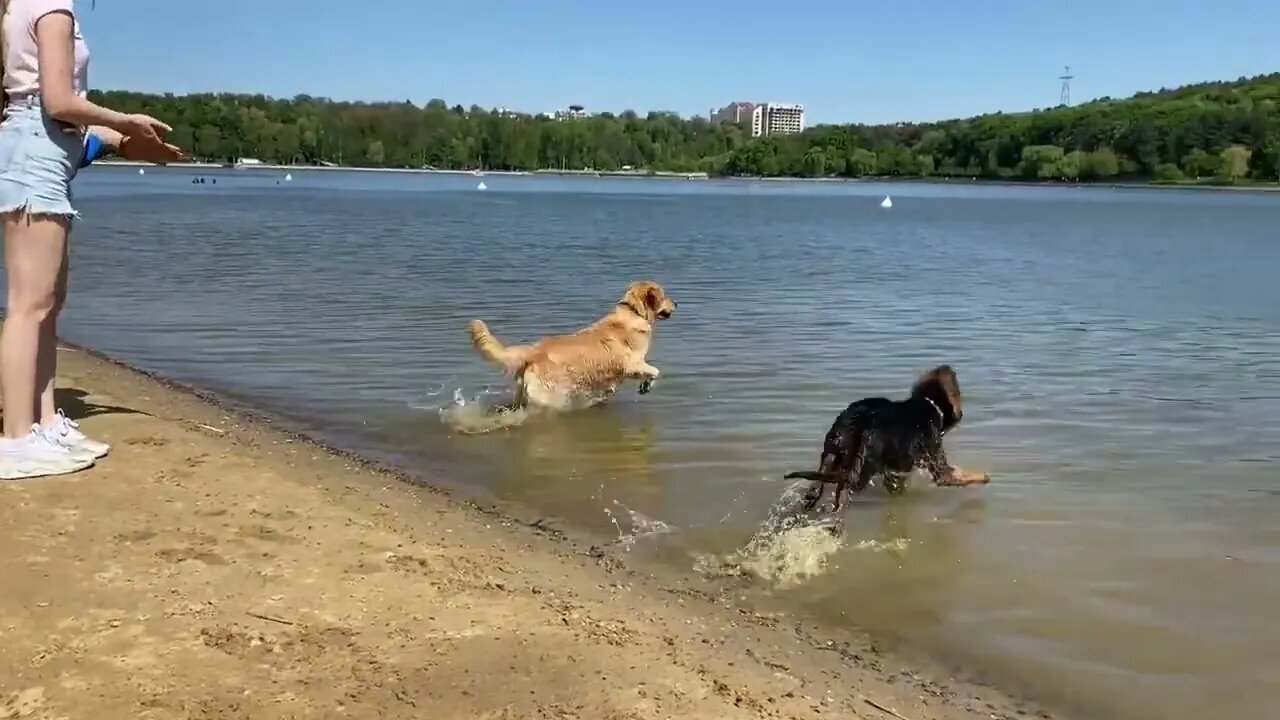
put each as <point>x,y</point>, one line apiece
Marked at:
<point>144,127</point>
<point>153,150</point>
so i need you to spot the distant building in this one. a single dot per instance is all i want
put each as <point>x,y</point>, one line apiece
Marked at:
<point>776,119</point>
<point>575,112</point>
<point>734,112</point>
<point>503,111</point>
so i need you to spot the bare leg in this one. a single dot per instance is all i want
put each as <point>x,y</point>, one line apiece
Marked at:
<point>47,362</point>
<point>35,249</point>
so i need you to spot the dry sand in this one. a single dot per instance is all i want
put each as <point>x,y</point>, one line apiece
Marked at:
<point>216,567</point>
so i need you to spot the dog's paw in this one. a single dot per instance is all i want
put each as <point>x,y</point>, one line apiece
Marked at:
<point>962,478</point>
<point>646,385</point>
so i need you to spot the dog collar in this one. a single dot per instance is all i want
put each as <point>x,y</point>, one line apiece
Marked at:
<point>633,309</point>
<point>941,415</point>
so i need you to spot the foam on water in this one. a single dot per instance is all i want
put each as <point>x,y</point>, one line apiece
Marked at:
<point>787,549</point>
<point>479,415</point>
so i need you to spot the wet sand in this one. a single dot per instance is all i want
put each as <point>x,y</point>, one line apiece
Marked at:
<point>214,566</point>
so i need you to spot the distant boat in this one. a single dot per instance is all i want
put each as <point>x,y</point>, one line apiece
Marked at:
<point>482,186</point>
<point>886,203</point>
<point>142,171</point>
<point>288,177</point>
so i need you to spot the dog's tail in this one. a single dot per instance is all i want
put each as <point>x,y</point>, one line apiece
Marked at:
<point>815,475</point>
<point>512,359</point>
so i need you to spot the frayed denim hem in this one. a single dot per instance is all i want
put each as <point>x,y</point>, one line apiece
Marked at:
<point>27,208</point>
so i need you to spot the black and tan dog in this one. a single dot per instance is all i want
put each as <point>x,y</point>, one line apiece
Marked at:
<point>890,438</point>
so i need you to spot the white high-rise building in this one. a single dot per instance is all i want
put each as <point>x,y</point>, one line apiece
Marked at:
<point>777,119</point>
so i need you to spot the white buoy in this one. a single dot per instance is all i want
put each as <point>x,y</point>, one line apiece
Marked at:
<point>142,171</point>
<point>288,177</point>
<point>886,203</point>
<point>482,186</point>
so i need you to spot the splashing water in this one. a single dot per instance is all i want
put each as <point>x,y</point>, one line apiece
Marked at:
<point>478,416</point>
<point>786,550</point>
<point>640,525</point>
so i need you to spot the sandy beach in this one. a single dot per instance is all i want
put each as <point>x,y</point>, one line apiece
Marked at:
<point>214,566</point>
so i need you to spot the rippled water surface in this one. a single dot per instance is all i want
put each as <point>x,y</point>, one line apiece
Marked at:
<point>1119,351</point>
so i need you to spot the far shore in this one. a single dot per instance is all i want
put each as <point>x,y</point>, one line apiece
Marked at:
<point>668,175</point>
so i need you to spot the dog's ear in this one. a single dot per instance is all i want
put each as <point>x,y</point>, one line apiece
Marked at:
<point>637,297</point>
<point>942,386</point>
<point>646,293</point>
<point>653,296</point>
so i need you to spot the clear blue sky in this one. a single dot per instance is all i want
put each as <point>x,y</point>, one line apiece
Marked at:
<point>845,60</point>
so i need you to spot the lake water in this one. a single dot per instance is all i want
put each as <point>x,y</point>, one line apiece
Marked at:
<point>1119,351</point>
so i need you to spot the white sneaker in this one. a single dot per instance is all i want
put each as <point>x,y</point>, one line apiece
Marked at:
<point>66,433</point>
<point>38,455</point>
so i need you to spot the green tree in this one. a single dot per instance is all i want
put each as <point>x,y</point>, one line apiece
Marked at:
<point>1199,163</point>
<point>1168,172</point>
<point>924,165</point>
<point>1268,160</point>
<point>1100,164</point>
<point>375,153</point>
<point>288,143</point>
<point>208,142</point>
<point>861,162</point>
<point>815,162</point>
<point>1041,161</point>
<point>1234,163</point>
<point>1072,163</point>
<point>1192,126</point>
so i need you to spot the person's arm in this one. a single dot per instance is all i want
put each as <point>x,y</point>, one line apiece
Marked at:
<point>101,140</point>
<point>111,139</point>
<point>55,43</point>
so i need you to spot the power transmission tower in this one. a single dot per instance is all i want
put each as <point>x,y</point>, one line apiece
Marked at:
<point>1065,77</point>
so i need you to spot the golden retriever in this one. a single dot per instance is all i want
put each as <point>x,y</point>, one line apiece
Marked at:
<point>563,371</point>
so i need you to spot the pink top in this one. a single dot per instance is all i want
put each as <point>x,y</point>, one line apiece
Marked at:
<point>21,60</point>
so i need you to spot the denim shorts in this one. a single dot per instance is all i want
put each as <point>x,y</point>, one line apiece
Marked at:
<point>38,158</point>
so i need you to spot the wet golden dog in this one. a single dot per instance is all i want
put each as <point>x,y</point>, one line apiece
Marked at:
<point>563,371</point>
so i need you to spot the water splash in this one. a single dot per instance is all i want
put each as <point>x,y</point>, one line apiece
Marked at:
<point>479,415</point>
<point>638,525</point>
<point>787,549</point>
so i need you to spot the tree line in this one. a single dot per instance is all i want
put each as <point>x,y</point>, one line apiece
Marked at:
<point>1218,131</point>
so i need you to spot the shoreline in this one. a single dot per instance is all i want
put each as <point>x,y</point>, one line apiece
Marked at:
<point>656,174</point>
<point>219,566</point>
<point>668,175</point>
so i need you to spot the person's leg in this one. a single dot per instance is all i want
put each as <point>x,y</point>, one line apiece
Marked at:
<point>34,250</point>
<point>47,362</point>
<point>62,429</point>
<point>38,157</point>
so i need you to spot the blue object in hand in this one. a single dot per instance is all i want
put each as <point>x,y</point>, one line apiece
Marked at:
<point>92,149</point>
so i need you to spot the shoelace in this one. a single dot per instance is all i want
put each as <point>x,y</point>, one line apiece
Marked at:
<point>45,435</point>
<point>66,424</point>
